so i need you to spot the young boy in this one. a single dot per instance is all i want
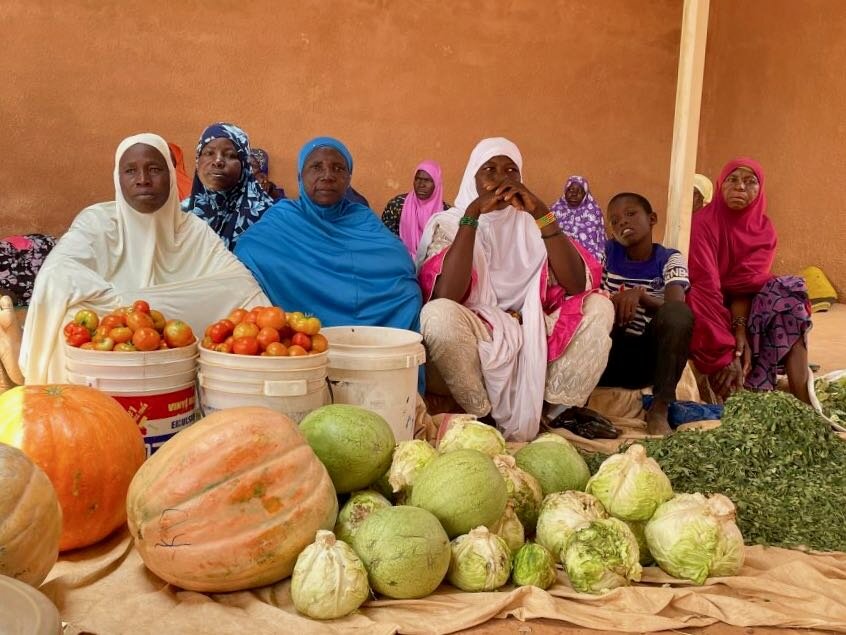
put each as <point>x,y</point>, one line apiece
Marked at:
<point>653,325</point>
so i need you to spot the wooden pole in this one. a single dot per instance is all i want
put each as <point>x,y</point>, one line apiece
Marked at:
<point>686,125</point>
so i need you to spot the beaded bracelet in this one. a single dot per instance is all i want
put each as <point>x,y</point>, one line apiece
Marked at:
<point>738,320</point>
<point>469,221</point>
<point>545,220</point>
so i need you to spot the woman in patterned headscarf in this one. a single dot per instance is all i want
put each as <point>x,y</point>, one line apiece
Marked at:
<point>580,217</point>
<point>225,193</point>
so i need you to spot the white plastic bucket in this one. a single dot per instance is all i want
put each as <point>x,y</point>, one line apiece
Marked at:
<point>293,386</point>
<point>376,368</point>
<point>156,388</point>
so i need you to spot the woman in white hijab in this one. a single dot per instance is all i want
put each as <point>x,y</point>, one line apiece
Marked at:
<point>512,318</point>
<point>140,246</point>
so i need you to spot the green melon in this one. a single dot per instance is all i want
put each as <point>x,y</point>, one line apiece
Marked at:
<point>463,489</point>
<point>405,551</point>
<point>354,444</point>
<point>558,467</point>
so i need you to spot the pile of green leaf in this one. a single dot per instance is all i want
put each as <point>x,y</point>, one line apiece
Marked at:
<point>776,459</point>
<point>832,396</point>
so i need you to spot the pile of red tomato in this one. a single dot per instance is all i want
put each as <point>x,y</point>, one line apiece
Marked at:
<point>267,331</point>
<point>127,330</point>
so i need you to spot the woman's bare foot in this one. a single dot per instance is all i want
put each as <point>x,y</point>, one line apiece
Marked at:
<point>10,344</point>
<point>656,418</point>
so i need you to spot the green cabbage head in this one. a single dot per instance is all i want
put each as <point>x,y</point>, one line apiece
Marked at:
<point>695,537</point>
<point>469,434</point>
<point>481,561</point>
<point>602,556</point>
<point>631,485</point>
<point>562,515</point>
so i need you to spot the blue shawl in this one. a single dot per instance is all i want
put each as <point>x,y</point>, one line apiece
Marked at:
<point>339,262</point>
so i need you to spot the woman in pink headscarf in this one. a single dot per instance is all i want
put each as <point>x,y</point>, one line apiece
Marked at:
<point>748,323</point>
<point>407,214</point>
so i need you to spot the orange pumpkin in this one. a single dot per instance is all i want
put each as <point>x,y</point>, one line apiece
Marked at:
<point>230,502</point>
<point>30,519</point>
<point>87,444</point>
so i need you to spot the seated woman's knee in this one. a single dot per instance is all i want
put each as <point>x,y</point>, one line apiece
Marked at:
<point>437,314</point>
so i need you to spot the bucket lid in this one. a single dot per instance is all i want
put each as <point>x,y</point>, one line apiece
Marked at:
<point>380,339</point>
<point>26,611</point>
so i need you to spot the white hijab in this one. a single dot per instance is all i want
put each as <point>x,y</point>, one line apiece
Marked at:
<point>509,259</point>
<point>113,255</point>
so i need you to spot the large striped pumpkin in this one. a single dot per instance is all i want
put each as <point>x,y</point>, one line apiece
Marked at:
<point>88,446</point>
<point>30,519</point>
<point>230,502</point>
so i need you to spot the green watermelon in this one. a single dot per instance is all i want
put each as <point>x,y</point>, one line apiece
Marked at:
<point>354,444</point>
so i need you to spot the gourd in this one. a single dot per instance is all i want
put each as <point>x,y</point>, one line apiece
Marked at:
<point>30,519</point>
<point>88,446</point>
<point>230,502</point>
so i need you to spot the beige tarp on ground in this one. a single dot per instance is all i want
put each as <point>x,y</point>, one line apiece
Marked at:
<point>107,590</point>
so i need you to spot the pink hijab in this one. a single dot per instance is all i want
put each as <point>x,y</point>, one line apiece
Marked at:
<point>416,213</point>
<point>731,253</point>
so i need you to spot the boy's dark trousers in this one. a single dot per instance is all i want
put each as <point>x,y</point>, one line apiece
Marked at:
<point>657,357</point>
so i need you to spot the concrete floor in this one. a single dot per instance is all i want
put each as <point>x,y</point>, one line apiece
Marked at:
<point>827,347</point>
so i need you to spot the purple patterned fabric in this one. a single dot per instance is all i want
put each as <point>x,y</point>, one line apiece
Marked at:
<point>583,223</point>
<point>20,259</point>
<point>780,315</point>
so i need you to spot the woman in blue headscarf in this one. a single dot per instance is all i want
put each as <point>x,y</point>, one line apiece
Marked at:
<point>325,255</point>
<point>225,192</point>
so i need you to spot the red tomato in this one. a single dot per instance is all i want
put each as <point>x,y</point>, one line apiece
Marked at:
<point>125,347</point>
<point>124,311</point>
<point>266,337</point>
<point>141,306</point>
<point>146,338</point>
<point>223,347</point>
<point>229,340</point>
<point>251,316</point>
<point>276,349</point>
<point>78,336</point>
<point>112,320</point>
<point>121,334</point>
<point>246,329</point>
<point>177,334</point>
<point>296,351</point>
<point>88,346</point>
<point>302,340</point>
<point>68,328</point>
<point>220,330</point>
<point>319,343</point>
<point>101,333</point>
<point>105,344</point>
<point>158,320</point>
<point>207,342</point>
<point>272,317</point>
<point>237,315</point>
<point>163,346</point>
<point>137,320</point>
<point>245,346</point>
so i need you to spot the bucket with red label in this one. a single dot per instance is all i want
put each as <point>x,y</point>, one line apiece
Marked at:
<point>157,388</point>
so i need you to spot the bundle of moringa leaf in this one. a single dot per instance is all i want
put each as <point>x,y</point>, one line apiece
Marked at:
<point>777,460</point>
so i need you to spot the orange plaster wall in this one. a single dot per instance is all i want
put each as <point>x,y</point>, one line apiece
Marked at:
<point>581,86</point>
<point>774,89</point>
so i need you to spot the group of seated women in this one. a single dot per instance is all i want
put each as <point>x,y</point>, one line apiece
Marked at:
<point>524,308</point>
